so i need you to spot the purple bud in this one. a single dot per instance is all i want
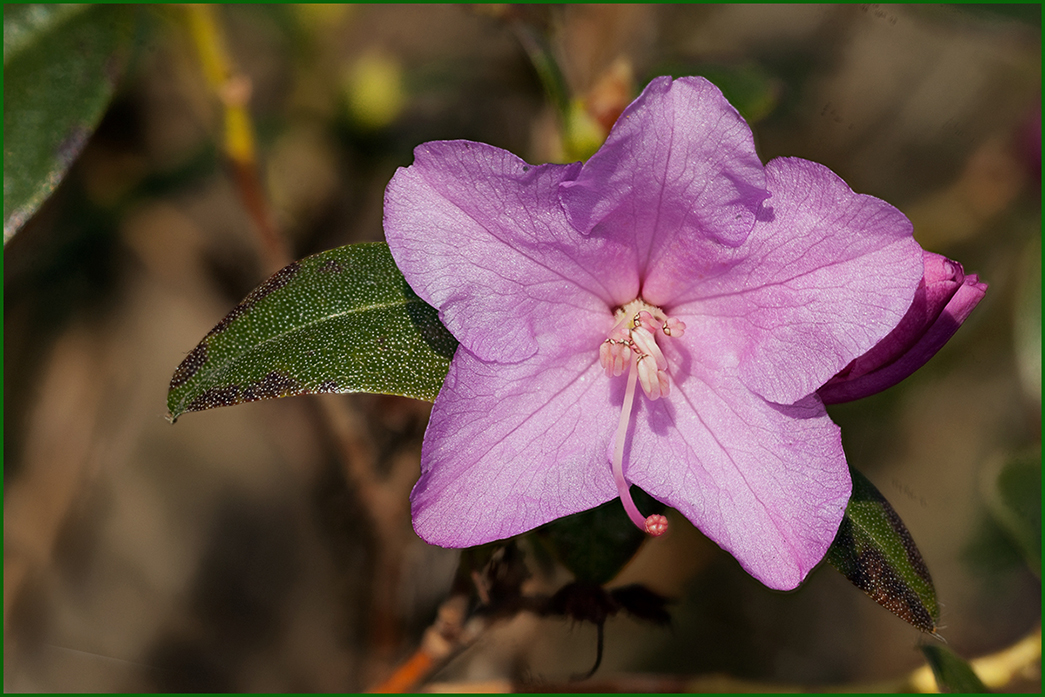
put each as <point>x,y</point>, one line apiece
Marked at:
<point>943,300</point>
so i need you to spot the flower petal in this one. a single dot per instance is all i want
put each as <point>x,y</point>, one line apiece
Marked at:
<point>944,300</point>
<point>769,483</point>
<point>678,170</point>
<point>480,235</point>
<point>511,447</point>
<point>823,277</point>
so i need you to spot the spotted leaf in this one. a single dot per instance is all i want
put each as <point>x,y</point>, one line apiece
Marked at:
<point>339,321</point>
<point>874,550</point>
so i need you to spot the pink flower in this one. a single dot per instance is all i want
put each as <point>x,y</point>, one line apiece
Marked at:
<point>671,261</point>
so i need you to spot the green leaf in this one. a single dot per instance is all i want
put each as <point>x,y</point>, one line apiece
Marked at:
<point>340,321</point>
<point>1014,501</point>
<point>874,550</point>
<point>596,544</point>
<point>953,674</point>
<point>61,66</point>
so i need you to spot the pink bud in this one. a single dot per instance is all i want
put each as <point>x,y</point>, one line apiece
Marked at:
<point>943,300</point>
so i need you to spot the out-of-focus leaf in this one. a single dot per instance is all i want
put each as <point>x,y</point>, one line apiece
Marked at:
<point>596,544</point>
<point>339,321</point>
<point>1027,324</point>
<point>953,674</point>
<point>534,41</point>
<point>1015,503</point>
<point>874,550</point>
<point>1028,13</point>
<point>61,66</point>
<point>25,23</point>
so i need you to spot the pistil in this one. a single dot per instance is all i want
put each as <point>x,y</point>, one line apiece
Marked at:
<point>631,347</point>
<point>655,524</point>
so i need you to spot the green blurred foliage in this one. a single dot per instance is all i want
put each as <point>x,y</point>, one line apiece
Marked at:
<point>952,673</point>
<point>62,64</point>
<point>1014,501</point>
<point>1027,320</point>
<point>596,544</point>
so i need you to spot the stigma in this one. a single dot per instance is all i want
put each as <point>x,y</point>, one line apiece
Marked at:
<point>631,349</point>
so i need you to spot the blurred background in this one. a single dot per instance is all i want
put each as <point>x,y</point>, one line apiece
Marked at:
<point>237,550</point>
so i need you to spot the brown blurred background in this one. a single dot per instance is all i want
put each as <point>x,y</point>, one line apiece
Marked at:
<point>232,552</point>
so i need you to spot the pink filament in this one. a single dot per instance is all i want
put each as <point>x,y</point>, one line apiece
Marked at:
<point>655,525</point>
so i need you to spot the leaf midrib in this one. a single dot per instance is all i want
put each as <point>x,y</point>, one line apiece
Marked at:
<point>218,370</point>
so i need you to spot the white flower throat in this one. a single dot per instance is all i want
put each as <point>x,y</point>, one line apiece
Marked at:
<point>631,348</point>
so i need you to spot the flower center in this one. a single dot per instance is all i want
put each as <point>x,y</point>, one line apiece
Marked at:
<point>631,348</point>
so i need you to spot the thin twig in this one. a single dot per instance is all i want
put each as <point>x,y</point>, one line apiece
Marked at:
<point>381,500</point>
<point>450,634</point>
<point>233,89</point>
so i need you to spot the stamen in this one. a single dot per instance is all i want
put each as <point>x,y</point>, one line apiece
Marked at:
<point>665,384</point>
<point>615,351</point>
<point>673,327</point>
<point>647,344</point>
<point>648,377</point>
<point>614,355</point>
<point>606,357</point>
<point>645,320</point>
<point>622,360</point>
<point>655,525</point>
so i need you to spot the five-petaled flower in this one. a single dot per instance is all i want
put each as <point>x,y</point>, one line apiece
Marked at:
<point>675,262</point>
